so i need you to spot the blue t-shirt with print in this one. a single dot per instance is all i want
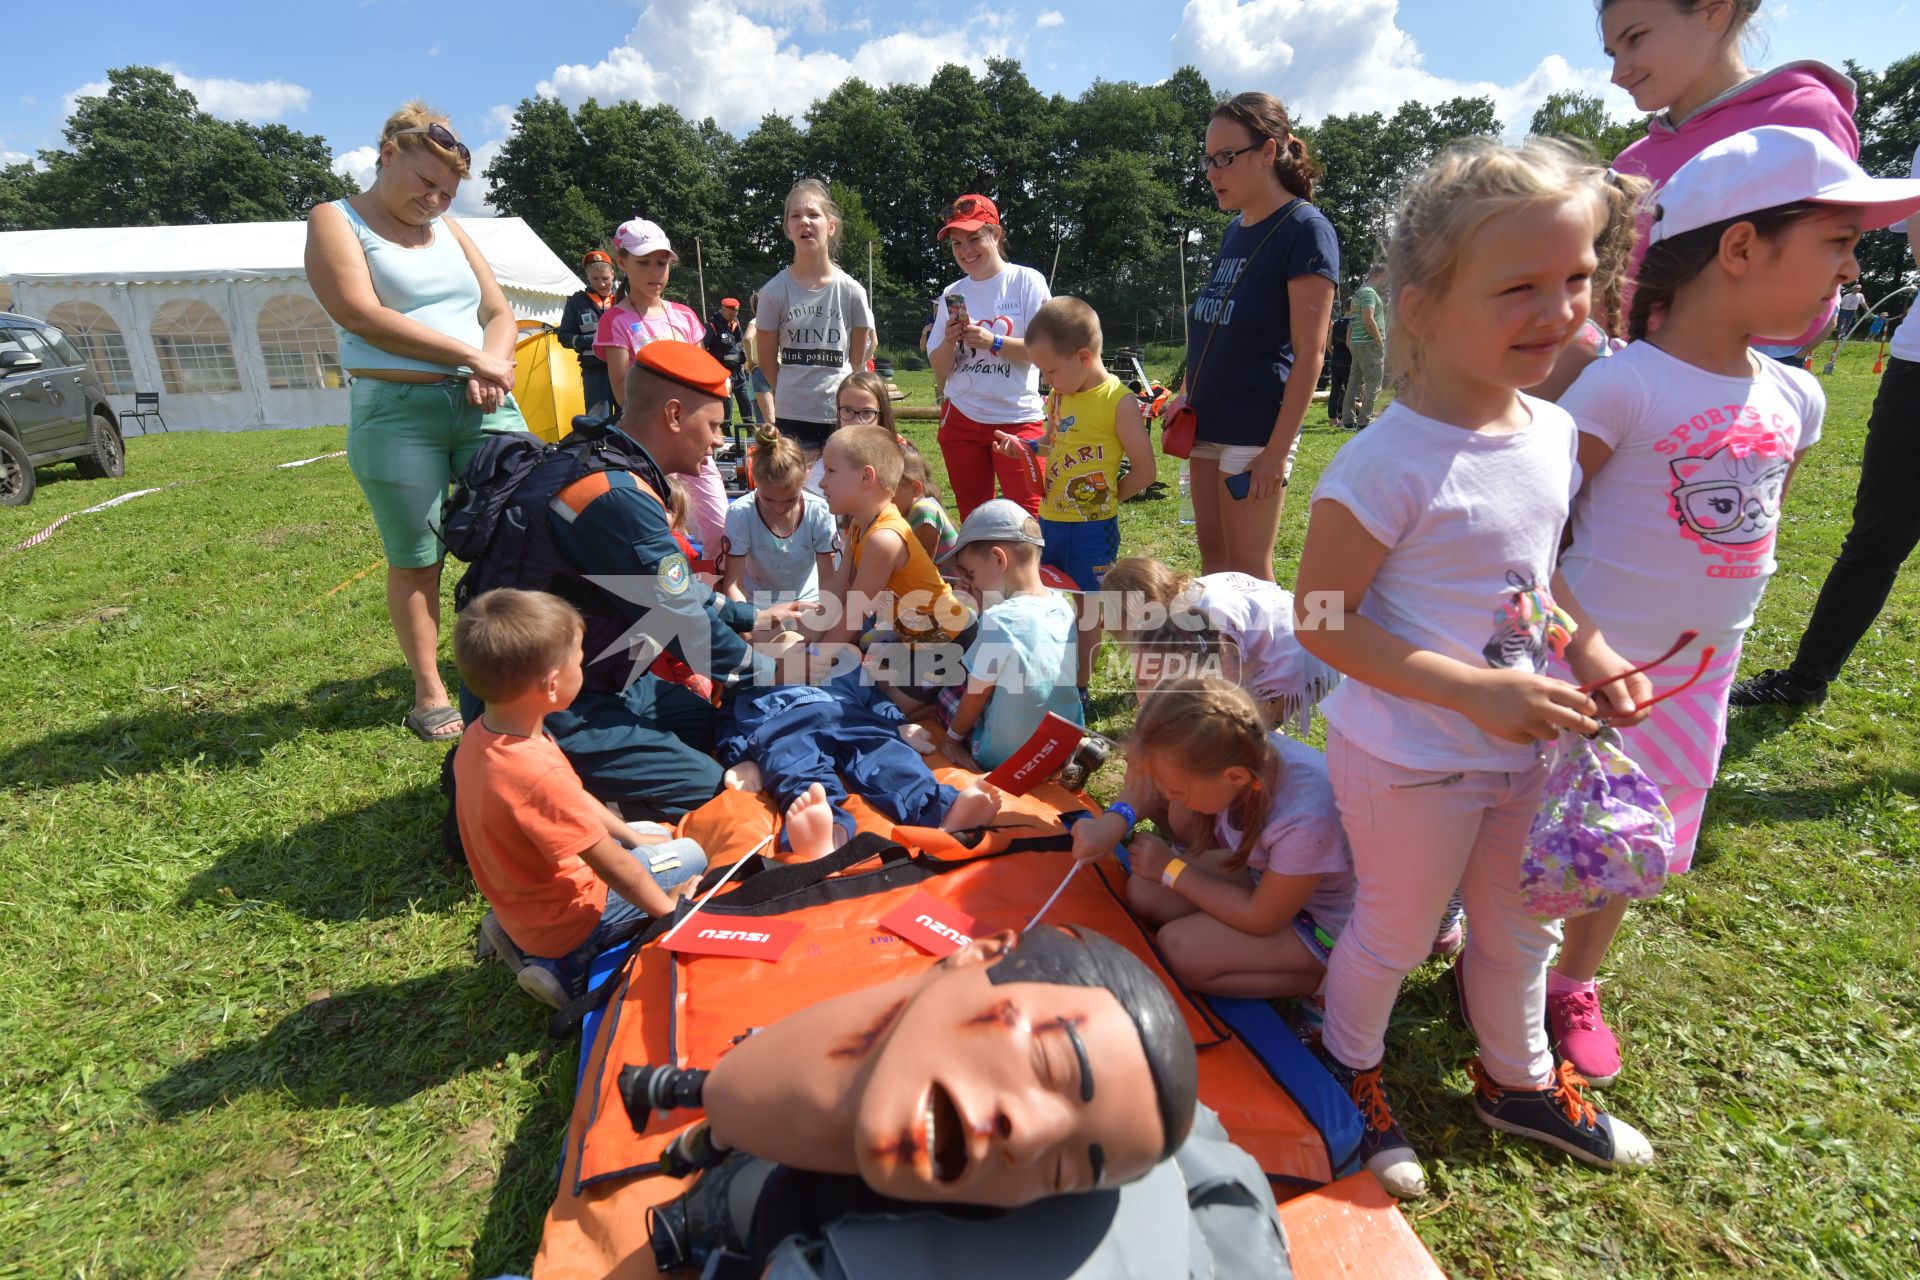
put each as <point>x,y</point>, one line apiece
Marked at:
<point>1025,647</point>
<point>1235,389</point>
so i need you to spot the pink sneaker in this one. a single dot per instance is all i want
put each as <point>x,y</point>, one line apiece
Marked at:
<point>1581,1036</point>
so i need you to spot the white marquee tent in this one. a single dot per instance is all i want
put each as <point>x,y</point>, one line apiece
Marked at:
<point>219,319</point>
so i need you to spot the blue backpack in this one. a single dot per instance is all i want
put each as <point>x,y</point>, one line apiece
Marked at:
<point>495,518</point>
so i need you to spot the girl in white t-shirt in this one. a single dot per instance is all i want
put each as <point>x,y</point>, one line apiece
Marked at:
<point>1688,442</point>
<point>1254,896</point>
<point>1428,579</point>
<point>1251,614</point>
<point>781,541</point>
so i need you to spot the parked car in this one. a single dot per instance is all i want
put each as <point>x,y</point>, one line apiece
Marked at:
<point>52,408</point>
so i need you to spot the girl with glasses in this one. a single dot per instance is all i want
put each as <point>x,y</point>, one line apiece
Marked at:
<point>1259,330</point>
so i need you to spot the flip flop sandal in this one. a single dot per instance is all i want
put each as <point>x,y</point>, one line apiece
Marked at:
<point>427,723</point>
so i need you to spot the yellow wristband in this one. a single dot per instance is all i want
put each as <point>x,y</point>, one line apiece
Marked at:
<point>1171,872</point>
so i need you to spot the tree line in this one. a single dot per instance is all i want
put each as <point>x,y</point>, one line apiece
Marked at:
<point>1110,179</point>
<point>144,154</point>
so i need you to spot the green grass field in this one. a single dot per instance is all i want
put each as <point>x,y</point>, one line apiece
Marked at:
<point>242,1031</point>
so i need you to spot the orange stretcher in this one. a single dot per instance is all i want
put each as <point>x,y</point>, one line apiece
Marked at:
<point>666,1007</point>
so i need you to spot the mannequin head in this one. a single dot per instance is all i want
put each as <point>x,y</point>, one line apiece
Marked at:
<point>1020,1067</point>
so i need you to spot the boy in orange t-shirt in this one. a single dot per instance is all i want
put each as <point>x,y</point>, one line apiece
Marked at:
<point>564,876</point>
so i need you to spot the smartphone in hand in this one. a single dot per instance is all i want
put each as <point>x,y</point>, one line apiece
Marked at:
<point>1241,485</point>
<point>956,313</point>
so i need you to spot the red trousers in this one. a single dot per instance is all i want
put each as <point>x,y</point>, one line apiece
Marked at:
<point>972,464</point>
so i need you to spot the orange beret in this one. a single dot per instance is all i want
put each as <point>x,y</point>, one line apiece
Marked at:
<point>686,364</point>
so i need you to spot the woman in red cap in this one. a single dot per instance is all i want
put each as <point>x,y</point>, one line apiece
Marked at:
<point>977,351</point>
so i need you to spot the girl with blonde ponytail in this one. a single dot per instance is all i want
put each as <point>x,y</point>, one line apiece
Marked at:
<point>1251,900</point>
<point>780,539</point>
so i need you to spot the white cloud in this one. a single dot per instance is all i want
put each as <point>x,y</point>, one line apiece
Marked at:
<point>357,164</point>
<point>29,101</point>
<point>1334,57</point>
<point>13,157</point>
<point>434,52</point>
<point>724,64</point>
<point>810,14</point>
<point>255,100</point>
<point>470,201</point>
<point>91,89</point>
<point>1051,18</point>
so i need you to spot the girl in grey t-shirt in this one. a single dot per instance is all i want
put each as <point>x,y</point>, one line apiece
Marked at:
<point>815,325</point>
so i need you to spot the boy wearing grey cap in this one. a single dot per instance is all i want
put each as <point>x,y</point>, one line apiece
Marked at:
<point>1021,663</point>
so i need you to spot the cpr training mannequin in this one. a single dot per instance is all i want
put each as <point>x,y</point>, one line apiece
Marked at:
<point>1022,1066</point>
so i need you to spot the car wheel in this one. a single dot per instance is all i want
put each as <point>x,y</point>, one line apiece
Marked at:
<point>106,458</point>
<point>16,473</point>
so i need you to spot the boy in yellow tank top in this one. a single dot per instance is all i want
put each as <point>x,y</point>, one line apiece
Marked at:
<point>887,572</point>
<point>1093,421</point>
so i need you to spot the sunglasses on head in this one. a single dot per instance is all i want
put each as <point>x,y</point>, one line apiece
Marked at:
<point>440,135</point>
<point>965,207</point>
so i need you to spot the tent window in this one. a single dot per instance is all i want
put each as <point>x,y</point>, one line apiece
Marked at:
<point>100,342</point>
<point>6,296</point>
<point>298,344</point>
<point>194,349</point>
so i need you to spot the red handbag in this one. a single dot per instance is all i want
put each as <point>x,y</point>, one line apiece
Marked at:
<point>1181,428</point>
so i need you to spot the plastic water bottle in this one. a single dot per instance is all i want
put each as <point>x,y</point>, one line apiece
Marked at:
<point>1186,493</point>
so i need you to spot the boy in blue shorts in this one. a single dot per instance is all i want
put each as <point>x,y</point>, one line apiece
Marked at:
<point>1093,421</point>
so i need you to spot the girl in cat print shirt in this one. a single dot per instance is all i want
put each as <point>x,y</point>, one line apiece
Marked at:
<point>1688,442</point>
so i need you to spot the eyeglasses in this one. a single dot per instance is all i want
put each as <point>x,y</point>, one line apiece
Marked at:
<point>1222,159</point>
<point>1686,638</point>
<point>859,417</point>
<point>440,135</point>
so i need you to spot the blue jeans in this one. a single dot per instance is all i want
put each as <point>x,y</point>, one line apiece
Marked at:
<point>670,864</point>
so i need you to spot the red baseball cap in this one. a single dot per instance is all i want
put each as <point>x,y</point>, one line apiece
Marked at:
<point>685,363</point>
<point>969,213</point>
<point>729,302</point>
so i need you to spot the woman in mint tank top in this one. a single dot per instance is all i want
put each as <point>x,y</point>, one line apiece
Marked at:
<point>428,338</point>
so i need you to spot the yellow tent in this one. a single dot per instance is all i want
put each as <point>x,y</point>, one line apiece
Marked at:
<point>546,381</point>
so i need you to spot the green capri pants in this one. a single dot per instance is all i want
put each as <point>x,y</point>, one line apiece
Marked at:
<point>406,442</point>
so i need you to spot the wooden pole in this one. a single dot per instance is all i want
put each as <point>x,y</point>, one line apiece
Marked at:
<point>700,265</point>
<point>1185,338</point>
<point>1056,266</point>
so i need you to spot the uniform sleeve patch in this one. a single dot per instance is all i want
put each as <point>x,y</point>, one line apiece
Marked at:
<point>675,574</point>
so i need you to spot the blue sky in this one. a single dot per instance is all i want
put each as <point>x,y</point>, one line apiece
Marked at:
<point>336,69</point>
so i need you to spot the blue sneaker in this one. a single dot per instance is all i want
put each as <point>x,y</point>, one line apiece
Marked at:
<point>1384,1148</point>
<point>1560,1115</point>
<point>540,979</point>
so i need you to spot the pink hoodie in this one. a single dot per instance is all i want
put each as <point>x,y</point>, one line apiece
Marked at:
<point>1809,95</point>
